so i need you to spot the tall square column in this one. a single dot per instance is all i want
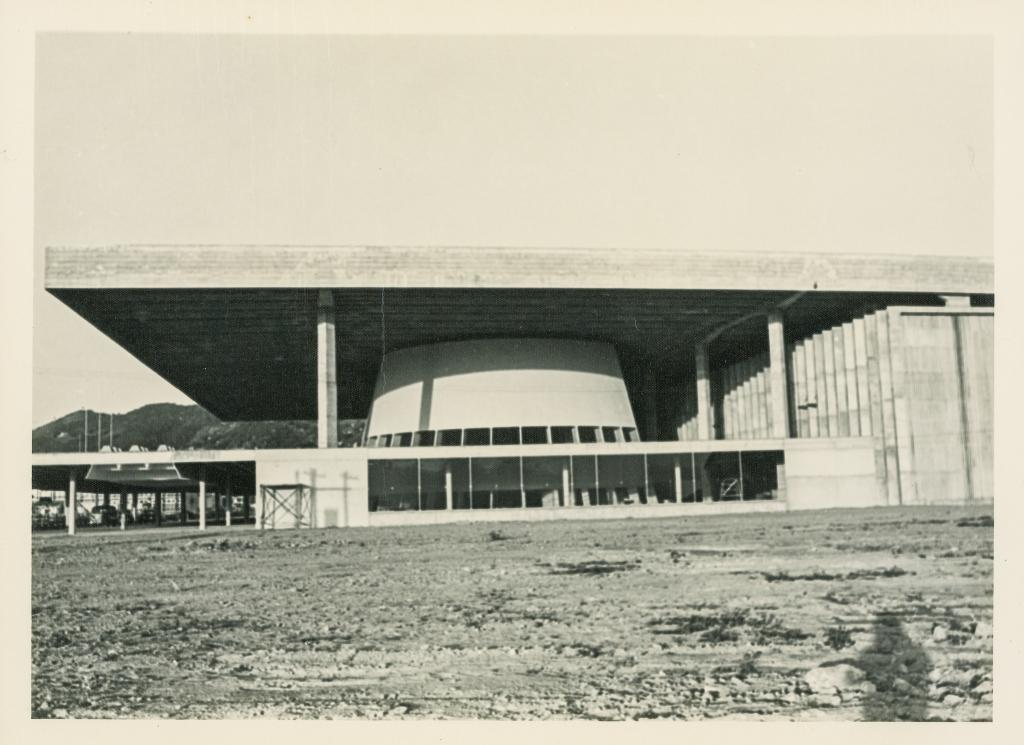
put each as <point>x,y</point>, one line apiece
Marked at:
<point>704,415</point>
<point>326,373</point>
<point>777,374</point>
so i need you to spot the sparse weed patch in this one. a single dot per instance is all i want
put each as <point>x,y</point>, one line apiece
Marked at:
<point>729,626</point>
<point>594,567</point>
<point>838,637</point>
<point>819,575</point>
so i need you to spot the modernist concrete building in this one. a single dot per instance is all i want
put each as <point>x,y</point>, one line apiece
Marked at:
<point>542,384</point>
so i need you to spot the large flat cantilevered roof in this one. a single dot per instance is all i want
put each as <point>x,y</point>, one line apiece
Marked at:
<point>234,327</point>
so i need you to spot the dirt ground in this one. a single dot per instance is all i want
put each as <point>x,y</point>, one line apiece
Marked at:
<point>851,614</point>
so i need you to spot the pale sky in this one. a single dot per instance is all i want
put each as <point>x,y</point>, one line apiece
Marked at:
<point>878,144</point>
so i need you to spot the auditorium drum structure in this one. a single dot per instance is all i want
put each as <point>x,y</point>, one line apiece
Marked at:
<point>528,384</point>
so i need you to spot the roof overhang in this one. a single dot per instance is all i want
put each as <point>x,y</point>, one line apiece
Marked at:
<point>234,327</point>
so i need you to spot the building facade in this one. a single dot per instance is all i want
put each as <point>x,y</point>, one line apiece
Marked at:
<point>540,384</point>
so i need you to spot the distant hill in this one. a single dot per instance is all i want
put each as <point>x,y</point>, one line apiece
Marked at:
<point>181,427</point>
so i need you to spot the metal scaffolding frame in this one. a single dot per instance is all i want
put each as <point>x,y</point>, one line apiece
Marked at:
<point>295,500</point>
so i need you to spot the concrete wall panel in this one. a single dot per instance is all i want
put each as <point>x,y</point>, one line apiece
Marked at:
<point>336,478</point>
<point>977,358</point>
<point>935,409</point>
<point>831,473</point>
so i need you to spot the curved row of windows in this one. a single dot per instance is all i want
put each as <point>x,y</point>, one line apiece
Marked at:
<point>503,436</point>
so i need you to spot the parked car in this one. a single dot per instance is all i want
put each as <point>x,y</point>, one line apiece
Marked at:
<point>105,514</point>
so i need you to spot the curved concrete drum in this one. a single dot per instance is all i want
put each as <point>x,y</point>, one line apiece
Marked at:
<point>500,383</point>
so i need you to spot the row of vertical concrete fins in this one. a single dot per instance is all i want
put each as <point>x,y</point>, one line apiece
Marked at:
<point>746,399</point>
<point>842,385</point>
<point>919,384</point>
<point>917,381</point>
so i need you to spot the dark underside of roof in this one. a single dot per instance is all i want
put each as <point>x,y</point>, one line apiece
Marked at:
<point>250,354</point>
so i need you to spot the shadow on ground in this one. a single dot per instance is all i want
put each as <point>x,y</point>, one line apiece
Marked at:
<point>899,669</point>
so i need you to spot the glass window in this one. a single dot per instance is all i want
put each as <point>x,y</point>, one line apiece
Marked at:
<point>721,477</point>
<point>584,479</point>
<point>449,437</point>
<point>621,479</point>
<point>587,434</point>
<point>535,435</point>
<point>661,476</point>
<point>543,481</point>
<point>423,438</point>
<point>402,440</point>
<point>433,475</point>
<point>393,485</point>
<point>371,442</point>
<point>561,435</point>
<point>384,441</point>
<point>610,434</point>
<point>630,434</point>
<point>761,473</point>
<point>505,436</point>
<point>496,483</point>
<point>477,436</point>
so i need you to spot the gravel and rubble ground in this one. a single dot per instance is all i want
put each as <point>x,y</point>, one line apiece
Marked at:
<point>844,614</point>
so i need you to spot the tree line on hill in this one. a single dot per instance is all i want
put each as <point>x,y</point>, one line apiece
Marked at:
<point>179,427</point>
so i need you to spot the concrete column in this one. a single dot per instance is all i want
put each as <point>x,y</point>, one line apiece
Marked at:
<point>326,373</point>
<point>158,508</point>
<point>228,501</point>
<point>183,506</point>
<point>704,420</point>
<point>201,503</point>
<point>122,505</point>
<point>135,505</point>
<point>777,371</point>
<point>678,472</point>
<point>71,511</point>
<point>567,496</point>
<point>106,497</point>
<point>649,403</point>
<point>448,491</point>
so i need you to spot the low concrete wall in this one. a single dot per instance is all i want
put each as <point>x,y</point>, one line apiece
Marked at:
<point>838,472</point>
<point>336,477</point>
<point>604,512</point>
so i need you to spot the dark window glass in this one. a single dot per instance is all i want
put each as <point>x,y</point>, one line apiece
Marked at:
<point>610,434</point>
<point>630,434</point>
<point>384,441</point>
<point>449,437</point>
<point>496,483</point>
<point>587,434</point>
<point>761,473</point>
<point>423,438</point>
<point>662,475</point>
<point>543,481</point>
<point>584,479</point>
<point>393,485</point>
<point>432,483</point>
<point>621,479</point>
<point>561,435</point>
<point>402,440</point>
<point>505,436</point>
<point>535,435</point>
<point>477,436</point>
<point>721,476</point>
